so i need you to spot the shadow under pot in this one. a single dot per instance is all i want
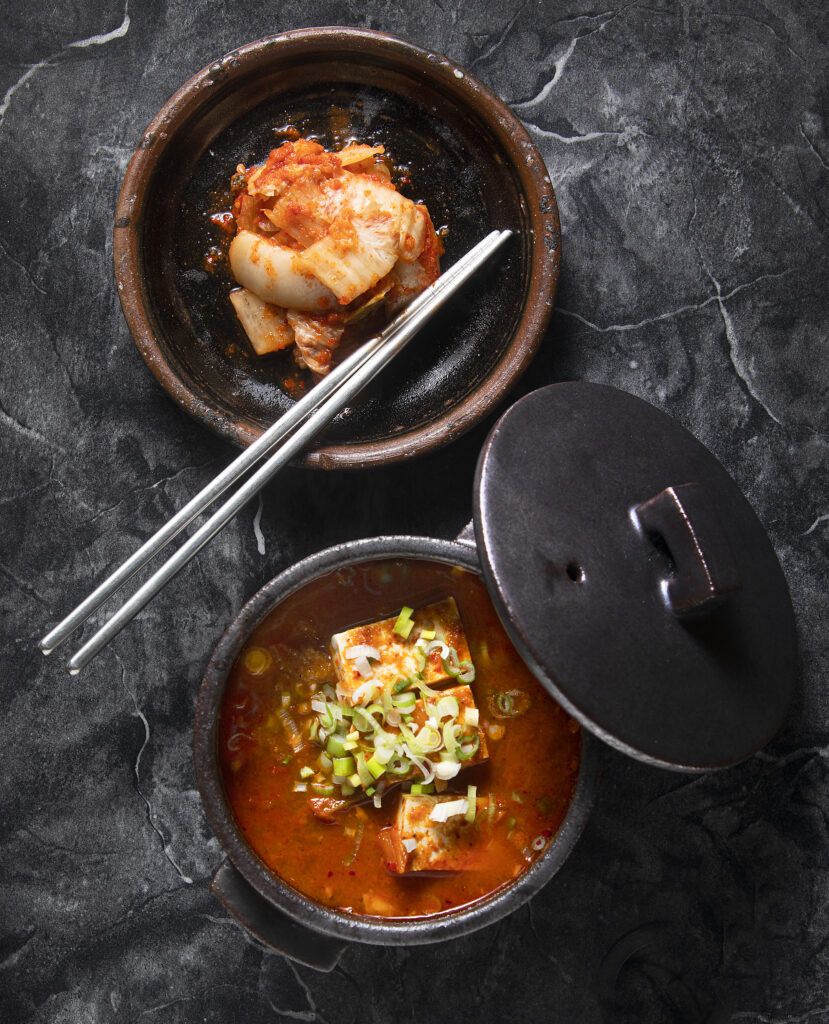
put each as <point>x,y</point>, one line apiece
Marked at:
<point>640,599</point>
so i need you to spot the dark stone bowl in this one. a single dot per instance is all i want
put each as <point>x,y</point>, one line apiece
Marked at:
<point>467,156</point>
<point>275,911</point>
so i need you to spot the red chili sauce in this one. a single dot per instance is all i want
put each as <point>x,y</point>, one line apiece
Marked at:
<point>528,781</point>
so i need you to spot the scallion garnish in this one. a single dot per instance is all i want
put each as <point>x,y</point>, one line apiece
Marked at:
<point>472,802</point>
<point>344,765</point>
<point>404,623</point>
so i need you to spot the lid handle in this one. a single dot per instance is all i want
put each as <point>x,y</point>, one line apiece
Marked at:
<point>706,573</point>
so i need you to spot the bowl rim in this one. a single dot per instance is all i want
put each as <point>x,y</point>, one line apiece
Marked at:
<point>467,92</point>
<point>281,895</point>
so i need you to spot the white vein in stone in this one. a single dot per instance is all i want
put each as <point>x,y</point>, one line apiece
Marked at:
<point>24,431</point>
<point>816,523</point>
<point>78,44</point>
<point>569,140</point>
<point>257,529</point>
<point>671,313</point>
<point>21,266</point>
<point>499,41</point>
<point>312,1005</point>
<point>151,815</point>
<point>561,63</point>
<point>813,147</point>
<point>733,346</point>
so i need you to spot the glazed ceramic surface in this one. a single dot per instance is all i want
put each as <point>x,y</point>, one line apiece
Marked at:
<point>285,898</point>
<point>465,155</point>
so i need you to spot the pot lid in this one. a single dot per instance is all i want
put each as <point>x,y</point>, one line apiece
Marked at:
<point>634,577</point>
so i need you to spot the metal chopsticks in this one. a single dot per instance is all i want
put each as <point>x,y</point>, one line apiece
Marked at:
<point>299,426</point>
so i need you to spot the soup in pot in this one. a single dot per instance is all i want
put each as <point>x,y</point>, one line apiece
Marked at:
<point>385,750</point>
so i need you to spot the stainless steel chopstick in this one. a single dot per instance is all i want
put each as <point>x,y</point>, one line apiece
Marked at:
<point>257,450</point>
<point>390,343</point>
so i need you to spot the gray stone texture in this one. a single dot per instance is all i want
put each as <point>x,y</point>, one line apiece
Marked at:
<point>687,143</point>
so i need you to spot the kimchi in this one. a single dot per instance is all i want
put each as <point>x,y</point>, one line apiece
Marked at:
<point>323,240</point>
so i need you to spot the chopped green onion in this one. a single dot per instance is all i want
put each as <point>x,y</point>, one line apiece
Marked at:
<point>429,738</point>
<point>306,772</point>
<point>350,745</point>
<point>366,778</point>
<point>427,634</point>
<point>517,797</point>
<point>399,766</point>
<point>466,672</point>
<point>371,791</point>
<point>472,802</point>
<point>375,767</point>
<point>401,684</point>
<point>511,823</point>
<point>349,860</point>
<point>504,703</point>
<point>467,750</point>
<point>354,780</point>
<point>288,759</point>
<point>322,789</point>
<point>449,739</point>
<point>447,707</point>
<point>405,702</point>
<point>425,690</point>
<point>421,788</point>
<point>347,788</point>
<point>336,747</point>
<point>344,765</point>
<point>404,623</point>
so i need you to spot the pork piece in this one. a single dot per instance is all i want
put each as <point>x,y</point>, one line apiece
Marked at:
<point>326,808</point>
<point>399,658</point>
<point>422,844</point>
<point>315,341</point>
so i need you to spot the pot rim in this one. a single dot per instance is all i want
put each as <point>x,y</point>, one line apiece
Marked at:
<point>531,174</point>
<point>395,931</point>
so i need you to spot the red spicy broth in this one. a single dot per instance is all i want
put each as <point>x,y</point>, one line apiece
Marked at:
<point>528,782</point>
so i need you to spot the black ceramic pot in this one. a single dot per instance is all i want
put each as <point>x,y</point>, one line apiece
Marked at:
<point>274,911</point>
<point>635,581</point>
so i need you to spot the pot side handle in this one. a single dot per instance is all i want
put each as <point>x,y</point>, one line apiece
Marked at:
<point>706,572</point>
<point>270,926</point>
<point>467,535</point>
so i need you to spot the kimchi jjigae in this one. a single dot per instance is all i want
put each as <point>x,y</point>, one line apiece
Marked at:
<point>385,750</point>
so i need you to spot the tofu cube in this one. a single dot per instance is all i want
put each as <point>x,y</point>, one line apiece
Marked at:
<point>466,702</point>
<point>421,844</point>
<point>399,657</point>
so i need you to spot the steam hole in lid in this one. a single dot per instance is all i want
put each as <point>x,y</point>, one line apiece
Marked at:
<point>575,572</point>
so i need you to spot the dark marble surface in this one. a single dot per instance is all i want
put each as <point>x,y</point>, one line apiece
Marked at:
<point>688,147</point>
